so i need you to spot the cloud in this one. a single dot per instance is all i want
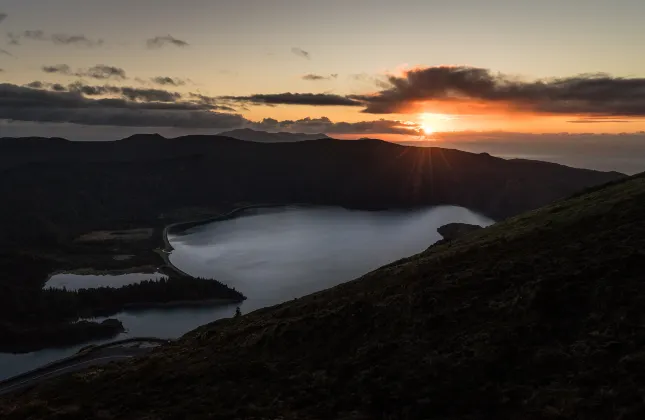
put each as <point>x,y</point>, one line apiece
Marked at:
<point>170,100</point>
<point>57,39</point>
<point>64,39</point>
<point>162,41</point>
<point>58,68</point>
<point>325,125</point>
<point>210,102</point>
<point>20,103</point>
<point>3,16</point>
<point>5,52</point>
<point>37,85</point>
<point>314,99</point>
<point>100,71</point>
<point>168,81</point>
<point>471,89</point>
<point>301,53</point>
<point>41,102</point>
<point>317,77</point>
<point>46,85</point>
<point>597,120</point>
<point>149,95</point>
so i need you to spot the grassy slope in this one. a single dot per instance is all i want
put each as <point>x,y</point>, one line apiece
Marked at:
<point>537,317</point>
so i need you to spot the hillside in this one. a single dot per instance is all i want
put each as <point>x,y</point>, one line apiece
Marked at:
<point>539,316</point>
<point>59,189</point>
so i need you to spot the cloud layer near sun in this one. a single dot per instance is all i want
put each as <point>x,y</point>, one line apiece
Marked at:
<point>440,91</point>
<point>467,90</point>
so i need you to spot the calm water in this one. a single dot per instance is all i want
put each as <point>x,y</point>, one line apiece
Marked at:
<point>72,281</point>
<point>274,255</point>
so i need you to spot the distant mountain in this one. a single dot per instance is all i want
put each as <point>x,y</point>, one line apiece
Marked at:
<point>248,134</point>
<point>56,189</point>
<point>537,317</point>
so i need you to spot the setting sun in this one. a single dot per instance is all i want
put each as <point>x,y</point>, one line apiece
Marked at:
<point>431,123</point>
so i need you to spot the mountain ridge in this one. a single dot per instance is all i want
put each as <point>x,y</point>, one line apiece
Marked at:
<point>249,134</point>
<point>114,185</point>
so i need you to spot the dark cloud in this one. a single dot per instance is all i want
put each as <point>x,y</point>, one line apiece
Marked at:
<point>58,39</point>
<point>130,93</point>
<point>37,85</point>
<point>41,103</point>
<point>150,95</point>
<point>210,102</point>
<point>59,68</point>
<point>27,104</point>
<point>89,90</point>
<point>317,77</point>
<point>301,53</point>
<point>3,16</point>
<point>325,125</point>
<point>64,39</point>
<point>314,99</point>
<point>100,71</point>
<point>56,87</point>
<point>597,120</point>
<point>162,41</point>
<point>168,81</point>
<point>171,100</point>
<point>587,94</point>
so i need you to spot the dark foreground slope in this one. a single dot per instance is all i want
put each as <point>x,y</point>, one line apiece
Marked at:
<point>58,189</point>
<point>540,316</point>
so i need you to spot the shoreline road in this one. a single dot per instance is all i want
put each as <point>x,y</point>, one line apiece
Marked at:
<point>97,356</point>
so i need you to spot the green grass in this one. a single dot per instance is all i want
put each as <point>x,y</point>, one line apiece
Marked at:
<point>540,316</point>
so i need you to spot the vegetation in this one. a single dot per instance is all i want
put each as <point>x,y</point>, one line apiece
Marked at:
<point>33,318</point>
<point>65,305</point>
<point>539,316</point>
<point>146,181</point>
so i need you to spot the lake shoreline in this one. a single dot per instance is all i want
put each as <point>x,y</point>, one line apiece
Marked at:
<point>181,304</point>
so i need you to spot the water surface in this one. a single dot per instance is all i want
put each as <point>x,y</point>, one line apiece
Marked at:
<point>273,255</point>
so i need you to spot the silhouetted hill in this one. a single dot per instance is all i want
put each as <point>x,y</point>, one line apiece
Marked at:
<point>266,137</point>
<point>58,189</point>
<point>536,317</point>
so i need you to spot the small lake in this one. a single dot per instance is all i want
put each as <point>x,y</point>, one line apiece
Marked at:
<point>73,281</point>
<point>273,255</point>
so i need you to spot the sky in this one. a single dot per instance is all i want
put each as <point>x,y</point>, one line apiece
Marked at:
<point>402,70</point>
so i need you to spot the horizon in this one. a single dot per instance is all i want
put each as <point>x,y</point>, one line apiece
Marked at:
<point>453,68</point>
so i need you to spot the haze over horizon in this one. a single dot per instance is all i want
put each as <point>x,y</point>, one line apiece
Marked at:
<point>518,72</point>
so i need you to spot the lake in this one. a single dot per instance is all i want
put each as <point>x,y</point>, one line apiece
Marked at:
<point>273,255</point>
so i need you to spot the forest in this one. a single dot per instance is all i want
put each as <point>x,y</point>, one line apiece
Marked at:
<point>47,305</point>
<point>33,317</point>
